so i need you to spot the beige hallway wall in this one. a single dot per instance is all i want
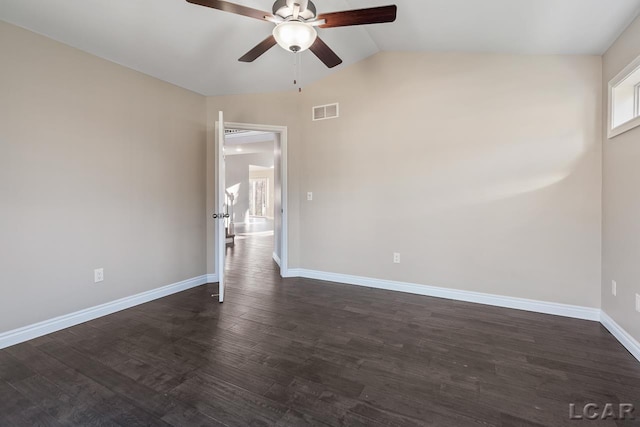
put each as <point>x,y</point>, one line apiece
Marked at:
<point>100,166</point>
<point>621,199</point>
<point>483,171</point>
<point>237,180</point>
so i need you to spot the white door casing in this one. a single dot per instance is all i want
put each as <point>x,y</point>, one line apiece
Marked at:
<point>221,237</point>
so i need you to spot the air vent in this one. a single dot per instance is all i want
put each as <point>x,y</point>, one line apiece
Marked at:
<point>323,112</point>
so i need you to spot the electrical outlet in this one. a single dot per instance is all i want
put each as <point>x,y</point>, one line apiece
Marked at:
<point>309,196</point>
<point>637,302</point>
<point>98,275</point>
<point>614,288</point>
<point>396,258</point>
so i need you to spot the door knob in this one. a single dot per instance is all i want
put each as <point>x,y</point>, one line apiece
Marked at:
<point>215,216</point>
<point>226,215</point>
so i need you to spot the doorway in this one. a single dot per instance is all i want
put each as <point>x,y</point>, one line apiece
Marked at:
<point>250,183</point>
<point>253,200</point>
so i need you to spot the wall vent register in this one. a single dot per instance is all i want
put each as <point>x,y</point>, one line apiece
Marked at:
<point>324,112</point>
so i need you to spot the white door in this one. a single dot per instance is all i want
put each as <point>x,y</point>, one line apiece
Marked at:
<point>220,215</point>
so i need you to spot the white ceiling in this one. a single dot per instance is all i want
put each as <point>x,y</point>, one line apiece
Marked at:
<point>259,168</point>
<point>249,142</point>
<point>197,47</point>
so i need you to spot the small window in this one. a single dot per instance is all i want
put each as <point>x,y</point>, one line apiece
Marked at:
<point>624,100</point>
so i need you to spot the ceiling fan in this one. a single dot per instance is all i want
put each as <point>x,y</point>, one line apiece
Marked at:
<point>295,25</point>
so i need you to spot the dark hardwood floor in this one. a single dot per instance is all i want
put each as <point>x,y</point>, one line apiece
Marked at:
<point>304,352</point>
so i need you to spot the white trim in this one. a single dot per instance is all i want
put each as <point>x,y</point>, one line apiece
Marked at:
<point>221,204</point>
<point>621,335</point>
<point>295,272</point>
<point>39,329</point>
<point>624,127</point>
<point>284,229</point>
<point>636,100</point>
<point>276,258</point>
<point>575,311</point>
<point>212,278</point>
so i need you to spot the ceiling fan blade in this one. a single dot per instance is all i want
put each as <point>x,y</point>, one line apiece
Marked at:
<point>324,53</point>
<point>372,15</point>
<point>233,8</point>
<point>260,48</point>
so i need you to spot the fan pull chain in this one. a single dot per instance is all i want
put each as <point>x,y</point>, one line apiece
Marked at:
<point>299,72</point>
<point>295,69</point>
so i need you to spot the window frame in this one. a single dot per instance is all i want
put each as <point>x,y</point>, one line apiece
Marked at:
<point>265,195</point>
<point>613,83</point>
<point>636,100</point>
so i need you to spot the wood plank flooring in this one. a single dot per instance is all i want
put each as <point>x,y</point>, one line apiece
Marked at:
<point>303,352</point>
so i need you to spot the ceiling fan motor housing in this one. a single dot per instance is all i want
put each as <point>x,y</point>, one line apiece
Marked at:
<point>284,9</point>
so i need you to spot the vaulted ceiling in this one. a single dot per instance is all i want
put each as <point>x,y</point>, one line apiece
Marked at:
<point>197,47</point>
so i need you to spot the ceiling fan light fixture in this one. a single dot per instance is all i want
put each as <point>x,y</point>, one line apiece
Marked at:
<point>295,36</point>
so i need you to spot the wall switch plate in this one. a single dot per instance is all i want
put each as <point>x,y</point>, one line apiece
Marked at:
<point>637,302</point>
<point>614,288</point>
<point>396,258</point>
<point>98,275</point>
<point>309,195</point>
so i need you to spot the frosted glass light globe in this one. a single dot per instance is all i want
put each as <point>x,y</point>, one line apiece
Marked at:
<point>295,36</point>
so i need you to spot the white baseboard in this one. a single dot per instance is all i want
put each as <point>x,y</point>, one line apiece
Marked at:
<point>276,258</point>
<point>621,335</point>
<point>39,329</point>
<point>292,272</point>
<point>36,330</point>
<point>575,311</point>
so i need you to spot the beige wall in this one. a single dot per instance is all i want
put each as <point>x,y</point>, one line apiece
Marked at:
<point>483,171</point>
<point>100,166</point>
<point>621,200</point>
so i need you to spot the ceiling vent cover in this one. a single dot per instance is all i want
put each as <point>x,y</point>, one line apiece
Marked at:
<point>324,112</point>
